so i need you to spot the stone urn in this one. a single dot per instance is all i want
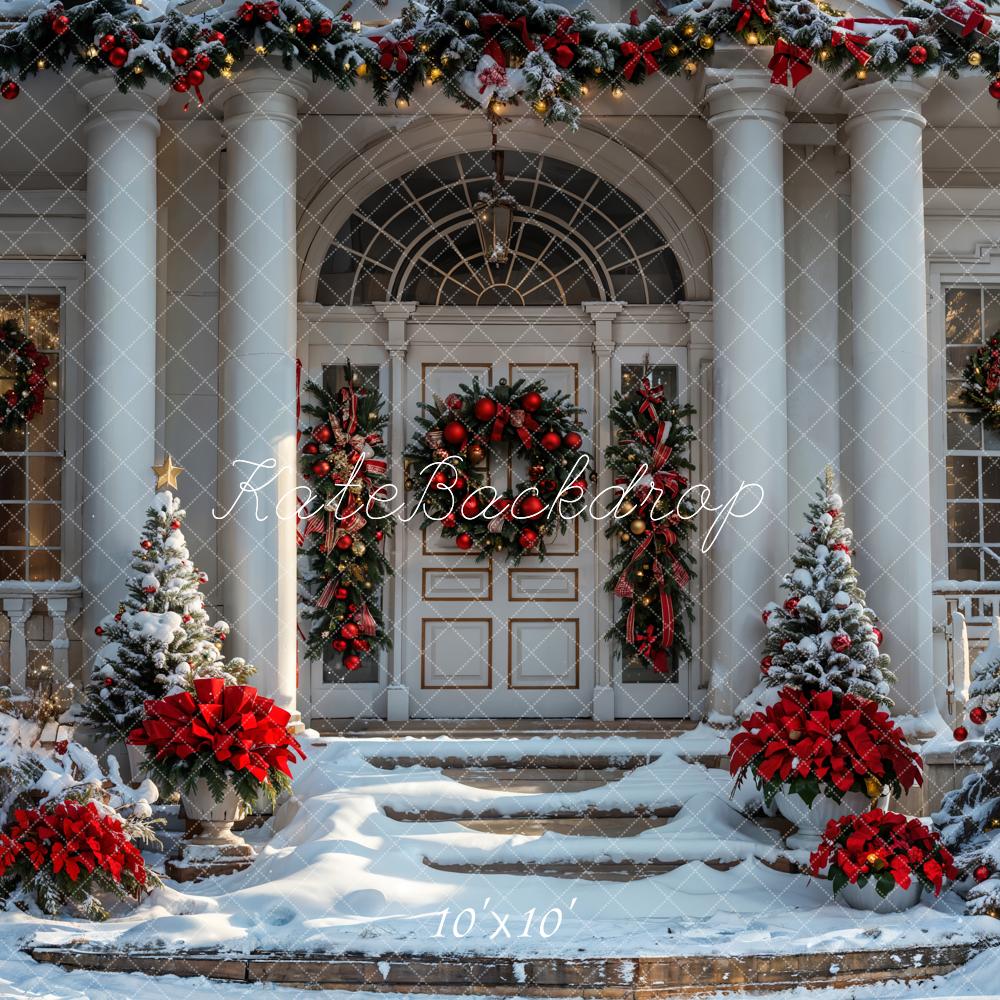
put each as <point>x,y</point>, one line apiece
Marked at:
<point>811,820</point>
<point>209,847</point>
<point>866,897</point>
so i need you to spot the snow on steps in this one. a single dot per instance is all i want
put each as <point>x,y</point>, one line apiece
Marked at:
<point>632,978</point>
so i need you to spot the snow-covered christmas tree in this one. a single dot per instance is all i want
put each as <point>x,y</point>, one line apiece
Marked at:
<point>824,636</point>
<point>984,685</point>
<point>160,639</point>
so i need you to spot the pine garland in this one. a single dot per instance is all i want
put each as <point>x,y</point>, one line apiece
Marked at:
<point>343,536</point>
<point>490,53</point>
<point>652,565</point>
<point>981,383</point>
<point>21,361</point>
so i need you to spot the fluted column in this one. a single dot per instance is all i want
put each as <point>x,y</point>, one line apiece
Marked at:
<point>119,342</point>
<point>889,404</point>
<point>257,328</point>
<point>746,113</point>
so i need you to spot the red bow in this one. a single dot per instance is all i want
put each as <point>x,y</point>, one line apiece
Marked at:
<point>520,420</point>
<point>789,59</point>
<point>490,24</point>
<point>854,44</point>
<point>651,397</point>
<point>747,8</point>
<point>637,54</point>
<point>394,51</point>
<point>971,15</point>
<point>646,643</point>
<point>562,40</point>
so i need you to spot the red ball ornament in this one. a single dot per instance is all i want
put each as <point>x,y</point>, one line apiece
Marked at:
<point>484,409</point>
<point>184,618</point>
<point>344,542</point>
<point>840,643</point>
<point>461,483</point>
<point>765,664</point>
<point>352,661</point>
<point>180,85</point>
<point>454,433</point>
<point>531,401</point>
<point>960,733</point>
<point>310,448</point>
<point>175,525</point>
<point>98,630</point>
<point>341,594</point>
<point>118,57</point>
<point>764,615</point>
<point>470,508</point>
<point>339,645</point>
<point>439,479</point>
<point>877,635</point>
<point>202,60</point>
<point>60,25</point>
<point>995,90</point>
<point>464,541</point>
<point>109,682</point>
<point>453,401</point>
<point>528,539</point>
<point>791,604</point>
<point>361,645</point>
<point>9,89</point>
<point>321,468</point>
<point>107,43</point>
<point>195,78</point>
<point>918,55</point>
<point>349,630</point>
<point>323,433</point>
<point>325,26</point>
<point>180,55</point>
<point>146,544</point>
<point>379,535</point>
<point>572,440</point>
<point>304,27</point>
<point>978,715</point>
<point>550,441</point>
<point>981,874</point>
<point>449,520</point>
<point>531,507</point>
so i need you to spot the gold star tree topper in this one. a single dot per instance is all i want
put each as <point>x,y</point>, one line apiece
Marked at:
<point>167,473</point>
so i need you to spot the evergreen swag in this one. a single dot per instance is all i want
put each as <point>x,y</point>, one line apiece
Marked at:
<point>488,53</point>
<point>823,637</point>
<point>981,383</point>
<point>541,428</point>
<point>160,638</point>
<point>342,538</point>
<point>652,566</point>
<point>25,366</point>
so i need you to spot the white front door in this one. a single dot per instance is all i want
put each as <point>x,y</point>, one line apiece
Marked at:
<point>492,639</point>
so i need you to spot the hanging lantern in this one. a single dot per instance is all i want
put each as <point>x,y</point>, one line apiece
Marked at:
<point>495,213</point>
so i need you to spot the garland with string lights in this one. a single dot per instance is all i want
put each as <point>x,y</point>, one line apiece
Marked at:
<point>491,53</point>
<point>981,383</point>
<point>652,567</point>
<point>22,362</point>
<point>343,459</point>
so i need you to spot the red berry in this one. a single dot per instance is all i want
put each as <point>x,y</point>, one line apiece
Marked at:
<point>185,619</point>
<point>9,89</point>
<point>180,55</point>
<point>180,85</point>
<point>977,715</point>
<point>340,594</point>
<point>98,630</point>
<point>175,525</point>
<point>960,733</point>
<point>791,604</point>
<point>981,874</point>
<point>764,615</point>
<point>339,645</point>
<point>765,664</point>
<point>61,747</point>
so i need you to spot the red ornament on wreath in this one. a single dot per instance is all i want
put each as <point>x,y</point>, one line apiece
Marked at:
<point>25,366</point>
<point>484,409</point>
<point>532,402</point>
<point>455,434</point>
<point>877,635</point>
<point>917,55</point>
<point>766,663</point>
<point>323,433</point>
<point>531,506</point>
<point>352,661</point>
<point>551,441</point>
<point>573,440</point>
<point>464,541</point>
<point>344,542</point>
<point>528,538</point>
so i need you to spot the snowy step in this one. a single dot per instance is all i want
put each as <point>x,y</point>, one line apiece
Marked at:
<point>559,761</point>
<point>535,779</point>
<point>595,871</point>
<point>573,826</point>
<point>474,820</point>
<point>654,729</point>
<point>620,977</point>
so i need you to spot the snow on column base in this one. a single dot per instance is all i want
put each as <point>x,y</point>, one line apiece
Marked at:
<point>295,723</point>
<point>604,704</point>
<point>924,726</point>
<point>397,704</point>
<point>194,861</point>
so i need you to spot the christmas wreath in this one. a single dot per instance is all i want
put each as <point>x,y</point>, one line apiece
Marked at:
<point>343,459</point>
<point>447,466</point>
<point>981,383</point>
<point>23,362</point>
<point>651,567</point>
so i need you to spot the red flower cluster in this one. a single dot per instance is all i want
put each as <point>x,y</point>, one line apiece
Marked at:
<point>886,846</point>
<point>72,837</point>
<point>818,739</point>
<point>241,729</point>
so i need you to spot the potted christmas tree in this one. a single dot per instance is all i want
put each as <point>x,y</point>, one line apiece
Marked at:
<point>220,746</point>
<point>160,639</point>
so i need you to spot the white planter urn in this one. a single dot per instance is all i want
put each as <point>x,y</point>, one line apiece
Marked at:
<point>811,820</point>
<point>136,762</point>
<point>866,897</point>
<point>210,847</point>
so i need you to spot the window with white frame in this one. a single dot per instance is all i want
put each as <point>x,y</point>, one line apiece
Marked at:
<point>972,316</point>
<point>31,458</point>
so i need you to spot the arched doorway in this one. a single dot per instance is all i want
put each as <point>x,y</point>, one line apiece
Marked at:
<point>589,272</point>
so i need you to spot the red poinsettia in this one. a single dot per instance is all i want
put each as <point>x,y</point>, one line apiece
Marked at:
<point>68,851</point>
<point>889,847</point>
<point>824,742</point>
<point>229,727</point>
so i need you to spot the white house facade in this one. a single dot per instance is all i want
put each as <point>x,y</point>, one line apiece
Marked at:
<point>809,267</point>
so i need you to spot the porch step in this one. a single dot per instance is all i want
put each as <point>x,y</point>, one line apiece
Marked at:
<point>529,762</point>
<point>592,871</point>
<point>540,780</point>
<point>502,728</point>
<point>493,817</point>
<point>630,977</point>
<point>573,826</point>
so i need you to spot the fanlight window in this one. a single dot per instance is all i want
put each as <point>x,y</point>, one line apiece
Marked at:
<point>575,239</point>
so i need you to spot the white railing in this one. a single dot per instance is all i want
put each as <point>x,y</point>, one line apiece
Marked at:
<point>971,612</point>
<point>21,601</point>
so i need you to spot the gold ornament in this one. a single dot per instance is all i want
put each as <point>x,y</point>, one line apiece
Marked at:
<point>362,69</point>
<point>752,38</point>
<point>688,30</point>
<point>673,50</point>
<point>640,575</point>
<point>627,507</point>
<point>358,548</point>
<point>975,59</point>
<point>638,527</point>
<point>617,91</point>
<point>541,107</point>
<point>706,42</point>
<point>167,473</point>
<point>873,786</point>
<point>646,600</point>
<point>825,54</point>
<point>623,536</point>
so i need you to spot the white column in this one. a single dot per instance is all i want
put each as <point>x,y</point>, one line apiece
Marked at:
<point>889,407</point>
<point>18,611</point>
<point>396,315</point>
<point>119,341</point>
<point>257,552</point>
<point>812,259</point>
<point>603,314</point>
<point>747,115</point>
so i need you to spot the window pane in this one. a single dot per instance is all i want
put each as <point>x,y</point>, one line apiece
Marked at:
<point>963,522</point>
<point>43,478</point>
<point>11,478</point>
<point>963,564</point>
<point>954,388</point>
<point>991,312</point>
<point>11,307</point>
<point>963,478</point>
<point>11,524</point>
<point>43,431</point>
<point>44,522</point>
<point>957,357</point>
<point>991,478</point>
<point>991,522</point>
<point>12,440</point>
<point>962,316</point>
<point>43,321</point>
<point>11,564</point>
<point>43,565</point>
<point>964,432</point>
